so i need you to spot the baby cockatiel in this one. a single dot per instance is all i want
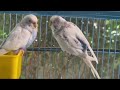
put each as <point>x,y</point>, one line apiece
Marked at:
<point>72,40</point>
<point>22,36</point>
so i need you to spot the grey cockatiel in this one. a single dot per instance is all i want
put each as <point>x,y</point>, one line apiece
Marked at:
<point>22,36</point>
<point>72,40</point>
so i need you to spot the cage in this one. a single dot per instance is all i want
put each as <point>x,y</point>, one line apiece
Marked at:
<point>45,60</point>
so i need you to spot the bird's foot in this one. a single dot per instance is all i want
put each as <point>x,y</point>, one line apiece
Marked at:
<point>17,51</point>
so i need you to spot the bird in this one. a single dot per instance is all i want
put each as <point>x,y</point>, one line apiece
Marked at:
<point>22,35</point>
<point>71,40</point>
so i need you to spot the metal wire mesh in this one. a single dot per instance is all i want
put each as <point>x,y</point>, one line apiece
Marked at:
<point>44,59</point>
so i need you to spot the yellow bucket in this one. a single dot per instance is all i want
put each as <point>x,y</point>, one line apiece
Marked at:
<point>10,65</point>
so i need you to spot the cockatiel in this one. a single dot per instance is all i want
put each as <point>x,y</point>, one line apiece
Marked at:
<point>22,36</point>
<point>72,40</point>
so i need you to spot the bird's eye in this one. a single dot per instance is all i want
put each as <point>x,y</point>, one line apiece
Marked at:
<point>29,20</point>
<point>34,23</point>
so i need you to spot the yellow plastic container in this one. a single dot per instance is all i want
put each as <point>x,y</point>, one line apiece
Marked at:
<point>10,65</point>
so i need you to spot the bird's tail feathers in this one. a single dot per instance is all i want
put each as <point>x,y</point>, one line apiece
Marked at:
<point>95,58</point>
<point>88,60</point>
<point>91,58</point>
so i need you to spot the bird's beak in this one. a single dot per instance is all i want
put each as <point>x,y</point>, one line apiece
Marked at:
<point>35,25</point>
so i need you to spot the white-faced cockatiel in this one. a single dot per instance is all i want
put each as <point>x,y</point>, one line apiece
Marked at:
<point>22,36</point>
<point>72,40</point>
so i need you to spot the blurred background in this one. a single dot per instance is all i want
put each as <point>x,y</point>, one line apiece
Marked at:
<point>44,58</point>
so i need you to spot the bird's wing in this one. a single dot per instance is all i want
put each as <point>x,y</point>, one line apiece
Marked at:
<point>81,38</point>
<point>7,37</point>
<point>73,36</point>
<point>70,36</point>
<point>18,38</point>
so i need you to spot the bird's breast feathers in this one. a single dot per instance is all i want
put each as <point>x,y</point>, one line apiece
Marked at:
<point>32,38</point>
